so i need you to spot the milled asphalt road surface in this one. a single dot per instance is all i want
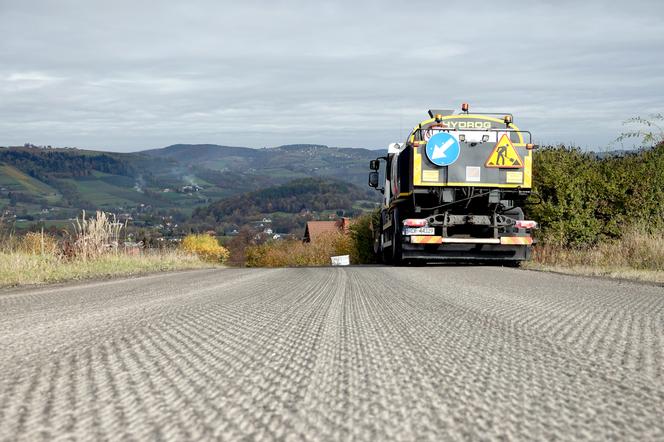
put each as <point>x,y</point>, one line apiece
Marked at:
<point>372,353</point>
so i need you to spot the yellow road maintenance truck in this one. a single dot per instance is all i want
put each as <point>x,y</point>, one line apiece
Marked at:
<point>455,191</point>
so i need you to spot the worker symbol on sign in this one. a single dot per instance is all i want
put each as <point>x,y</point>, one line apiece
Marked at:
<point>502,150</point>
<point>504,155</point>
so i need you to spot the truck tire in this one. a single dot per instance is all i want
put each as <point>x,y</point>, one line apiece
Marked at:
<point>385,253</point>
<point>377,246</point>
<point>517,214</point>
<point>511,263</point>
<point>397,253</point>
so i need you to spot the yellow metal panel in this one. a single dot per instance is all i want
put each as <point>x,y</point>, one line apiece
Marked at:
<point>528,170</point>
<point>417,166</point>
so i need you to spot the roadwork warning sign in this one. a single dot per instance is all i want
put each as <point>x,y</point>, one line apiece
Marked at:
<point>504,155</point>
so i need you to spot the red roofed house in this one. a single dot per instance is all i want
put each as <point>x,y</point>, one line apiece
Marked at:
<point>316,229</point>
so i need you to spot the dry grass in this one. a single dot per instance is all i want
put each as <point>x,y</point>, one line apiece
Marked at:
<point>656,276</point>
<point>92,251</point>
<point>19,268</point>
<point>638,255</point>
<point>297,254</point>
<point>37,244</point>
<point>94,237</point>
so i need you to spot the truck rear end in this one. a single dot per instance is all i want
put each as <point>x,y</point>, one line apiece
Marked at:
<point>455,190</point>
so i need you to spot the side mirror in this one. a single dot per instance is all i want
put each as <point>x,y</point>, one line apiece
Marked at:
<point>373,179</point>
<point>374,164</point>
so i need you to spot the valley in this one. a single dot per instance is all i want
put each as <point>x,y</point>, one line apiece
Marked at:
<point>180,188</point>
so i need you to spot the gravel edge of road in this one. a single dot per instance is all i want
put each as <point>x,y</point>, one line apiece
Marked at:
<point>571,272</point>
<point>4,290</point>
<point>14,289</point>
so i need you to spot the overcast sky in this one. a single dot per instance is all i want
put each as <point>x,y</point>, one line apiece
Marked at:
<point>128,74</point>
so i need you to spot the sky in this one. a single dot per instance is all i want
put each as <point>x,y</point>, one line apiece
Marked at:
<point>129,75</point>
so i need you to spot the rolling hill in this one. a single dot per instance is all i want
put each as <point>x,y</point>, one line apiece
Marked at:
<point>277,164</point>
<point>54,183</point>
<point>289,205</point>
<point>34,181</point>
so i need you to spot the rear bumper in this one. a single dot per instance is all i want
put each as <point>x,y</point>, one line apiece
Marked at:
<point>466,252</point>
<point>504,240</point>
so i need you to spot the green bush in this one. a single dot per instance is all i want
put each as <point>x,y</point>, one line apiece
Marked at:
<point>586,199</point>
<point>361,232</point>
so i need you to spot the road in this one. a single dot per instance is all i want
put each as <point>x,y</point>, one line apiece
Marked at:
<point>358,353</point>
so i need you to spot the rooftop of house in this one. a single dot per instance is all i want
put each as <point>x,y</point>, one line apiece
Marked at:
<point>315,229</point>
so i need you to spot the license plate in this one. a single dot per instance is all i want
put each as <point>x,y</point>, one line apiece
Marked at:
<point>418,231</point>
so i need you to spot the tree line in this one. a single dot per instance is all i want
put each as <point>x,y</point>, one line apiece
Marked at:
<point>581,199</point>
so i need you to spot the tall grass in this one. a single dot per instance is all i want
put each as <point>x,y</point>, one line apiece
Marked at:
<point>18,268</point>
<point>638,254</point>
<point>8,240</point>
<point>637,249</point>
<point>38,243</point>
<point>93,249</point>
<point>96,236</point>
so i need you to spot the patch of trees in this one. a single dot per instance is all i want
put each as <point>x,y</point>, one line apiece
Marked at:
<point>307,194</point>
<point>45,164</point>
<point>71,197</point>
<point>21,197</point>
<point>229,180</point>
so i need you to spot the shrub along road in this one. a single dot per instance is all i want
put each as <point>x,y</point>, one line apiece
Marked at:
<point>368,353</point>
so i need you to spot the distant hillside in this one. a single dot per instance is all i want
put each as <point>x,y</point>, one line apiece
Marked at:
<point>67,163</point>
<point>45,177</point>
<point>55,183</point>
<point>279,164</point>
<point>307,197</point>
<point>210,156</point>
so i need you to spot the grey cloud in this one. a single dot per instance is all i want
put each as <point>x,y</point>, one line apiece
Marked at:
<point>127,75</point>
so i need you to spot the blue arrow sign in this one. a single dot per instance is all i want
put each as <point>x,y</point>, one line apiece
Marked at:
<point>443,149</point>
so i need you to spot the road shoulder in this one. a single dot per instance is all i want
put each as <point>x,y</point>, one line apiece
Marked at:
<point>646,277</point>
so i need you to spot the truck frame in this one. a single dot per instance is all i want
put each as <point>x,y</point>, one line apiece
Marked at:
<point>455,191</point>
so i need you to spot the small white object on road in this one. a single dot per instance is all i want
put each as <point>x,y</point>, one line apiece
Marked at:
<point>343,260</point>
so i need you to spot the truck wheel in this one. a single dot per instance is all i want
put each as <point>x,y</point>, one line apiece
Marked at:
<point>386,255</point>
<point>517,214</point>
<point>377,246</point>
<point>511,263</point>
<point>397,254</point>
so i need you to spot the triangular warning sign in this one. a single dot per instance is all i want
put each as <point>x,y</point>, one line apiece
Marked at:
<point>504,155</point>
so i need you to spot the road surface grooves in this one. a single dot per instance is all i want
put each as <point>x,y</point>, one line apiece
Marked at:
<point>357,353</point>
